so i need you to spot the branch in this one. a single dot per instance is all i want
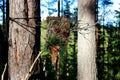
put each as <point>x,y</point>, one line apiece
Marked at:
<point>2,77</point>
<point>30,70</point>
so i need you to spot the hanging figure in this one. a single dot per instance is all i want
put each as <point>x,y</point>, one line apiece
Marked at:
<point>54,53</point>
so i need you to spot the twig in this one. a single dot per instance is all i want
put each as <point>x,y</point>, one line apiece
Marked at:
<point>30,70</point>
<point>2,77</point>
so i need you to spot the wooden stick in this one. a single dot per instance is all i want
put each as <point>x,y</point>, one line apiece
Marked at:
<point>2,77</point>
<point>30,70</point>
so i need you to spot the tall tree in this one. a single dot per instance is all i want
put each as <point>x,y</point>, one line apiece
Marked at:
<point>67,12</point>
<point>1,44</point>
<point>118,17</point>
<point>24,41</point>
<point>58,8</point>
<point>86,40</point>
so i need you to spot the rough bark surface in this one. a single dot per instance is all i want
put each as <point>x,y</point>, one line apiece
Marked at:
<point>86,40</point>
<point>21,37</point>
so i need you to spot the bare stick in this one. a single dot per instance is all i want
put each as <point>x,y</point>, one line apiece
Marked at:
<point>30,70</point>
<point>2,77</point>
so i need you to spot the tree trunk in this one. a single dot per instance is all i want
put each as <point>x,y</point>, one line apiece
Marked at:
<point>1,44</point>
<point>23,36</point>
<point>58,8</point>
<point>86,40</point>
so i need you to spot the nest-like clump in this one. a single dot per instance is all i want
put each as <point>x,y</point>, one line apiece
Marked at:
<point>58,30</point>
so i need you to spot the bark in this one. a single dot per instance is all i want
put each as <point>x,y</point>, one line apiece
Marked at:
<point>22,37</point>
<point>86,40</point>
<point>54,50</point>
<point>58,8</point>
<point>1,43</point>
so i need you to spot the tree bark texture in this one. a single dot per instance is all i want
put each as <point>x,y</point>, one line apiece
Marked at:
<point>24,36</point>
<point>86,40</point>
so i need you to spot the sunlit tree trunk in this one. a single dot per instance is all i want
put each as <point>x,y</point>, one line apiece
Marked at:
<point>86,40</point>
<point>23,37</point>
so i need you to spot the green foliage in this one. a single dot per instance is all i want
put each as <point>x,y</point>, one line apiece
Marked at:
<point>68,56</point>
<point>53,40</point>
<point>118,16</point>
<point>108,56</point>
<point>109,53</point>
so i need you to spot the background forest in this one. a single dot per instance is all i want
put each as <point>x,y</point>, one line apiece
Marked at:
<point>108,46</point>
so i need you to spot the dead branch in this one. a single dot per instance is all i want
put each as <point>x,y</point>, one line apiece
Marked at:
<point>2,77</point>
<point>30,70</point>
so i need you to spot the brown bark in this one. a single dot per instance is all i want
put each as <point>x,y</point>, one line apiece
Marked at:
<point>96,37</point>
<point>86,40</point>
<point>22,37</point>
<point>54,55</point>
